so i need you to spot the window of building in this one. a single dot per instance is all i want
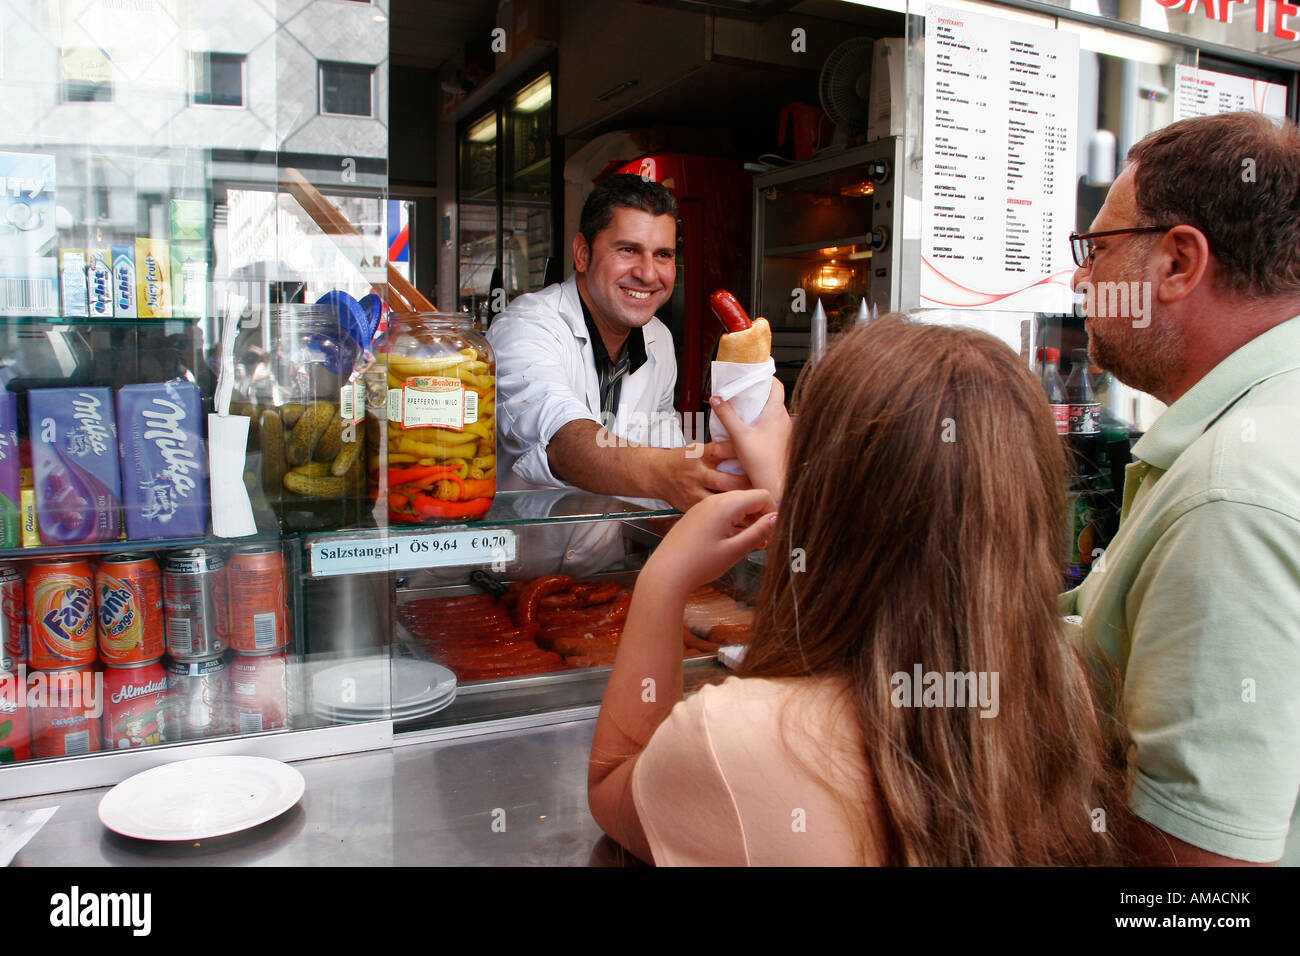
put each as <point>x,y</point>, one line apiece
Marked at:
<point>85,76</point>
<point>217,79</point>
<point>346,89</point>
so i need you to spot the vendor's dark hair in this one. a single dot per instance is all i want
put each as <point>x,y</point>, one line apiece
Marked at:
<point>623,190</point>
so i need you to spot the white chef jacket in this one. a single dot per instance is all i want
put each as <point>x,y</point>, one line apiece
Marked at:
<point>546,378</point>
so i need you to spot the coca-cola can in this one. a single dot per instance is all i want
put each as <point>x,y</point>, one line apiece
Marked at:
<point>15,729</point>
<point>198,699</point>
<point>258,612</point>
<point>194,595</point>
<point>67,724</point>
<point>135,705</point>
<point>13,619</point>
<point>262,692</point>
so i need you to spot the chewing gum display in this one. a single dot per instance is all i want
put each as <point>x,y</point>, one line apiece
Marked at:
<point>164,480</point>
<point>189,279</point>
<point>153,287</point>
<point>73,435</point>
<point>124,282</point>
<point>72,280</point>
<point>99,278</point>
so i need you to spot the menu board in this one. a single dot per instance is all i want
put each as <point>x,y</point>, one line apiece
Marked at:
<point>1205,92</point>
<point>998,194</point>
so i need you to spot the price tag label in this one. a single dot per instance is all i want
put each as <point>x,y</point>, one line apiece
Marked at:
<point>409,552</point>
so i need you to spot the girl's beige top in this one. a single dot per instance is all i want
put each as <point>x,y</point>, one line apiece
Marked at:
<point>758,772</point>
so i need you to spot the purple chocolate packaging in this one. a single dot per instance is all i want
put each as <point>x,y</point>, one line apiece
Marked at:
<point>74,464</point>
<point>164,461</point>
<point>11,532</point>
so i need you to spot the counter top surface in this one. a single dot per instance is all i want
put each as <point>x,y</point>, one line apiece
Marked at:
<point>431,804</point>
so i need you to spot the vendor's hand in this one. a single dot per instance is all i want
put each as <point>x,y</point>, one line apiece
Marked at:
<point>763,446</point>
<point>709,539</point>
<point>689,475</point>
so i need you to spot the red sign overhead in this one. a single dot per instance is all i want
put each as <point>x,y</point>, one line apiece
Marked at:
<point>1221,10</point>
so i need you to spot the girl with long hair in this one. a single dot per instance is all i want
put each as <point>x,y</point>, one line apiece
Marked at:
<point>909,696</point>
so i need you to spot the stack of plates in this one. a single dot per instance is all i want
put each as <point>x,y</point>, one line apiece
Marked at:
<point>379,688</point>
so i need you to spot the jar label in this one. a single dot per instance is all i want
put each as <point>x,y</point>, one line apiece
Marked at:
<point>352,403</point>
<point>427,402</point>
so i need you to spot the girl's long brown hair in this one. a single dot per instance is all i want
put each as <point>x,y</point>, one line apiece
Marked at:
<point>924,523</point>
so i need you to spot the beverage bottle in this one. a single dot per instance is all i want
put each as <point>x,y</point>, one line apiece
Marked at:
<point>1085,410</point>
<point>1048,370</point>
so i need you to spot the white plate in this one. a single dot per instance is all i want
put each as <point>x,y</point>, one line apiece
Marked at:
<point>401,715</point>
<point>362,686</point>
<point>201,798</point>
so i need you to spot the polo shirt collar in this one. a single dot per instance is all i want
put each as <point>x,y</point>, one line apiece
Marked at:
<point>1274,352</point>
<point>634,345</point>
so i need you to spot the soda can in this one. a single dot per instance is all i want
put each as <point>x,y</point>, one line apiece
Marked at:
<point>128,597</point>
<point>68,723</point>
<point>194,597</point>
<point>198,699</point>
<point>15,730</point>
<point>61,614</point>
<point>258,615</point>
<point>262,692</point>
<point>13,619</point>
<point>135,705</point>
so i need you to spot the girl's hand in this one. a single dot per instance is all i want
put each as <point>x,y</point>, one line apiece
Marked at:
<point>709,539</point>
<point>761,447</point>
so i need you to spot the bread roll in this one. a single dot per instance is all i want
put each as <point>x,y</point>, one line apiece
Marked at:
<point>751,347</point>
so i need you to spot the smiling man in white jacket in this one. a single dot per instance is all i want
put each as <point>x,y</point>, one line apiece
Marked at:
<point>586,373</point>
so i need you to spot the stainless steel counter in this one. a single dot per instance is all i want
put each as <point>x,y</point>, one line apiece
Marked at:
<point>426,804</point>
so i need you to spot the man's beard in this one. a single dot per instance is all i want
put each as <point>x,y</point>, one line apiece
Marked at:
<point>1148,359</point>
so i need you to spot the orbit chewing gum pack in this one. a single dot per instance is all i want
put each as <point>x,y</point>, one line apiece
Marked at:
<point>124,281</point>
<point>72,282</point>
<point>153,286</point>
<point>99,279</point>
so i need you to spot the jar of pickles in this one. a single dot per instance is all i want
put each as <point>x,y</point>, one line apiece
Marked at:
<point>440,418</point>
<point>298,382</point>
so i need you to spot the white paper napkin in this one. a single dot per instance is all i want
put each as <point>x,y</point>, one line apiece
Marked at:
<point>745,388</point>
<point>17,827</point>
<point>232,512</point>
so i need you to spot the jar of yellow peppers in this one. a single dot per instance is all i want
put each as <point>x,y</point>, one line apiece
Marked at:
<point>441,420</point>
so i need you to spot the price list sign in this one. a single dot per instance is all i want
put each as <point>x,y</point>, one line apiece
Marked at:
<point>409,551</point>
<point>1205,93</point>
<point>999,164</point>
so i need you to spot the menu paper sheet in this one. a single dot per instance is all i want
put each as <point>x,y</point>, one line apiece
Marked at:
<point>998,204</point>
<point>1205,93</point>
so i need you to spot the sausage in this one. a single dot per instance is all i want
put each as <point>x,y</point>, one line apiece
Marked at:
<point>526,609</point>
<point>729,311</point>
<point>547,637</point>
<point>729,634</point>
<point>581,645</point>
<point>700,644</point>
<point>611,613</point>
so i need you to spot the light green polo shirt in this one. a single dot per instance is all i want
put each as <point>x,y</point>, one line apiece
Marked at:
<point>1197,603</point>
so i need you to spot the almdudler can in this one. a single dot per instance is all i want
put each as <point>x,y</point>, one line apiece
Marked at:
<point>13,620</point>
<point>198,699</point>
<point>258,616</point>
<point>261,692</point>
<point>67,724</point>
<point>128,598</point>
<point>135,705</point>
<point>61,614</point>
<point>194,595</point>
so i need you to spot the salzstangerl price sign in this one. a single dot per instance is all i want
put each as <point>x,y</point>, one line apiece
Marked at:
<point>406,551</point>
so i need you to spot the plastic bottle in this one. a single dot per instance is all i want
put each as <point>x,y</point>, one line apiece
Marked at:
<point>1048,372</point>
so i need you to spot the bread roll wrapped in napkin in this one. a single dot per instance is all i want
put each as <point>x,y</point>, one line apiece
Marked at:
<point>742,374</point>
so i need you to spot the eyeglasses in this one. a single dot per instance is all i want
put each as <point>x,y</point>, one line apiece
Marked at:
<point>1081,244</point>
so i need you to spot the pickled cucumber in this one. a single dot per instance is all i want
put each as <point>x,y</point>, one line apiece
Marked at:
<point>330,441</point>
<point>314,486</point>
<point>347,455</point>
<point>315,419</point>
<point>291,413</point>
<point>272,438</point>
